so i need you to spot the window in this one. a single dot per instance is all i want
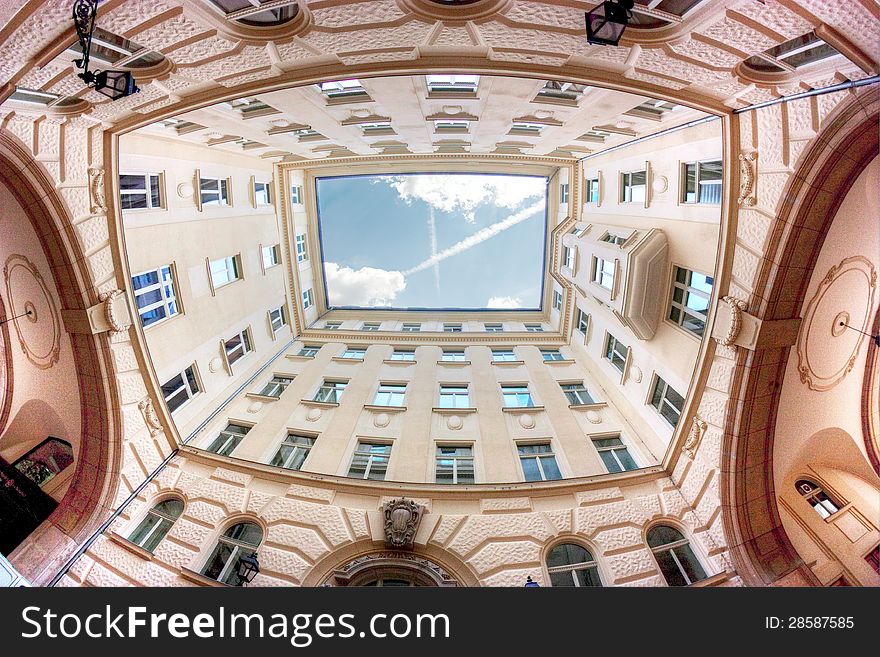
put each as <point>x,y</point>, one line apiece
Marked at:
<point>576,393</point>
<point>370,461</point>
<point>376,127</point>
<point>109,49</point>
<point>527,128</point>
<point>307,299</point>
<point>403,354</point>
<point>616,352</point>
<point>370,326</point>
<point>494,328</point>
<point>562,90</point>
<point>516,396</point>
<point>390,394</point>
<point>228,439</point>
<point>332,326</point>
<point>593,190</point>
<point>551,354</point>
<point>454,396</point>
<point>225,271</point>
<point>330,391</point>
<point>296,195</point>
<point>308,351</point>
<point>534,328</point>
<point>276,386</point>
<point>563,193</point>
<point>538,462</point>
<point>583,321</point>
<point>793,54</point>
<point>302,253</point>
<point>355,353</point>
<point>237,346</point>
<point>453,356</point>
<point>572,565</point>
<point>292,452</point>
<point>140,191</point>
<point>603,272</point>
<point>271,256</point>
<point>503,356</point>
<point>454,465</point>
<point>342,89</point>
<point>156,524</point>
<point>557,300</point>
<point>611,238</point>
<point>873,559</point>
<point>277,318</point>
<point>45,461</point>
<point>262,193</point>
<point>817,498</point>
<point>701,182</point>
<point>632,186</point>
<point>214,191</point>
<point>690,300</point>
<point>667,401</point>
<point>452,328</point>
<point>411,328</point>
<point>674,555</point>
<point>154,294</point>
<point>452,84</point>
<point>181,388</point>
<point>569,253</point>
<point>250,12</point>
<point>614,454</point>
<point>238,541</point>
<point>448,125</point>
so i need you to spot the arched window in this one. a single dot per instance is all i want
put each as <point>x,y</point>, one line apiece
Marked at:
<point>572,565</point>
<point>253,12</point>
<point>674,555</point>
<point>45,461</point>
<point>156,524</point>
<point>238,541</point>
<point>818,499</point>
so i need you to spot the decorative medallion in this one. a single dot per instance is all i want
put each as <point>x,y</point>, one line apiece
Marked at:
<point>39,333</point>
<point>698,428</point>
<point>594,417</point>
<point>255,407</point>
<point>454,422</point>
<point>314,414</point>
<point>635,373</point>
<point>660,184</point>
<point>747,177</point>
<point>215,364</point>
<point>96,191</point>
<point>150,417</point>
<point>402,518</point>
<point>737,307</point>
<point>526,421</point>
<point>185,190</point>
<point>110,299</point>
<point>381,420</point>
<point>6,377</point>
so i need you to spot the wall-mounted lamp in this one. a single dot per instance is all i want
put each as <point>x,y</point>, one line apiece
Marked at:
<point>607,21</point>
<point>113,84</point>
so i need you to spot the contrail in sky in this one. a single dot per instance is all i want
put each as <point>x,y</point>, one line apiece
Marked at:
<point>432,229</point>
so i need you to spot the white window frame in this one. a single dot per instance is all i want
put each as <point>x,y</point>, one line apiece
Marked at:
<point>411,327</point>
<point>371,457</point>
<point>493,327</point>
<point>457,461</point>
<point>330,388</point>
<point>371,327</point>
<point>223,195</point>
<point>458,393</point>
<point>404,355</point>
<point>698,190</point>
<point>452,327</point>
<point>231,269</point>
<point>354,353</point>
<point>277,316</point>
<point>296,195</point>
<point>274,253</point>
<point>557,300</point>
<point>297,449</point>
<point>166,300</point>
<point>538,458</point>
<point>307,299</point>
<point>613,449</point>
<point>276,386</point>
<point>332,325</point>
<point>454,356</point>
<point>563,193</point>
<point>660,382</point>
<point>504,356</point>
<point>534,328</point>
<point>309,348</point>
<point>390,394</point>
<point>582,321</point>
<point>612,344</point>
<point>627,187</point>
<point>146,192</point>
<point>683,310</point>
<point>229,437</point>
<point>302,249</point>
<point>185,386</point>
<point>576,393</point>
<point>245,345</point>
<point>552,353</point>
<point>517,392</point>
<point>267,189</point>
<point>593,184</point>
<point>601,274</point>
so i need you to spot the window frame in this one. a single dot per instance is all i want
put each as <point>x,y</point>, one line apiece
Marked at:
<point>611,345</point>
<point>599,273</point>
<point>684,312</point>
<point>390,392</point>
<point>574,396</point>
<point>454,353</point>
<point>223,449</point>
<point>670,547</point>
<point>403,352</point>
<point>276,386</point>
<point>698,166</point>
<point>185,386</point>
<point>515,391</point>
<point>513,357</point>
<point>282,318</point>
<point>456,460</point>
<point>371,457</point>
<point>627,186</point>
<point>302,248</point>
<point>334,388</point>
<point>538,456</point>
<point>160,524</point>
<point>239,547</point>
<point>497,327</point>
<point>223,192</point>
<point>613,449</point>
<point>296,449</point>
<point>147,191</point>
<point>237,268</point>
<point>246,343</point>
<point>573,568</point>
<point>455,392</point>
<point>308,299</point>
<point>159,285</point>
<point>267,189</point>
<point>653,389</point>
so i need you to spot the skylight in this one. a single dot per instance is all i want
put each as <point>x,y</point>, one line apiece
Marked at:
<point>433,240</point>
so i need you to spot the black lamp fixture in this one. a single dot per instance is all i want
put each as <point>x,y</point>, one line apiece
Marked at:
<point>248,568</point>
<point>113,84</point>
<point>531,583</point>
<point>607,21</point>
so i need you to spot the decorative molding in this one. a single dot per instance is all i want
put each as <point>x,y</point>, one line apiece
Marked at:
<point>110,314</point>
<point>151,418</point>
<point>392,560</point>
<point>28,339</point>
<point>737,307</point>
<point>98,200</point>
<point>402,518</point>
<point>698,428</point>
<point>747,178</point>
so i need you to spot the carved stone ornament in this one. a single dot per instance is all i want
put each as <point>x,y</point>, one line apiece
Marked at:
<point>150,416</point>
<point>737,307</point>
<point>698,428</point>
<point>109,301</point>
<point>747,178</point>
<point>402,518</point>
<point>96,191</point>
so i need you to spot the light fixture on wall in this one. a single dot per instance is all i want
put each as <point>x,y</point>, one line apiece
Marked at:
<point>530,583</point>
<point>607,21</point>
<point>248,568</point>
<point>113,84</point>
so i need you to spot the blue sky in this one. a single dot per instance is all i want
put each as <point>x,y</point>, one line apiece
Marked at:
<point>433,240</point>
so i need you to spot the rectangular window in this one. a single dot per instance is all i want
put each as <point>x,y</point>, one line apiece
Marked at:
<point>454,465</point>
<point>308,351</point>
<point>569,253</point>
<point>614,454</point>
<point>403,354</point>
<point>611,238</point>
<point>563,193</point>
<point>342,89</point>
<point>228,439</point>
<point>370,326</point>
<point>632,186</point>
<point>453,356</point>
<point>593,190</point>
<point>225,271</point>
<point>370,461</point>
<point>551,354</point>
<point>557,300</point>
<point>453,396</point>
<point>154,294</point>
<point>494,328</point>
<point>278,318</point>
<point>262,193</point>
<point>667,401</point>
<point>603,272</point>
<point>583,321</point>
<point>181,388</point>
<point>411,328</point>
<point>214,191</point>
<point>354,353</point>
<point>237,346</point>
<point>302,253</point>
<point>296,194</point>
<point>576,393</point>
<point>516,396</point>
<point>873,559</point>
<point>538,462</point>
<point>390,394</point>
<point>332,326</point>
<point>451,126</point>
<point>701,182</point>
<point>140,191</point>
<point>616,352</point>
<point>452,84</point>
<point>271,255</point>
<point>534,328</point>
<point>276,386</point>
<point>293,452</point>
<point>526,128</point>
<point>452,328</point>
<point>690,300</point>
<point>330,391</point>
<point>307,299</point>
<point>503,355</point>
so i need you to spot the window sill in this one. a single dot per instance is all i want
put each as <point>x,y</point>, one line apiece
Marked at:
<point>259,397</point>
<point>839,513</point>
<point>379,408</point>
<point>454,411</point>
<point>318,404</point>
<point>340,359</point>
<point>714,580</point>
<point>454,363</point>
<point>298,357</point>
<point>162,321</point>
<point>391,361</point>
<point>198,578</point>
<point>522,409</point>
<point>564,361</point>
<point>131,547</point>
<point>504,363</point>
<point>588,407</point>
<point>217,288</point>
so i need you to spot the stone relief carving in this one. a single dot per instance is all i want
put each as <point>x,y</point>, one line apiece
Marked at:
<point>27,292</point>
<point>109,300</point>
<point>96,191</point>
<point>698,428</point>
<point>381,420</point>
<point>150,416</point>
<point>747,178</point>
<point>737,307</point>
<point>402,518</point>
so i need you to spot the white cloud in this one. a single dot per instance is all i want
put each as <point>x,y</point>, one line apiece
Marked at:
<point>504,302</point>
<point>432,229</point>
<point>366,286</point>
<point>464,193</point>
